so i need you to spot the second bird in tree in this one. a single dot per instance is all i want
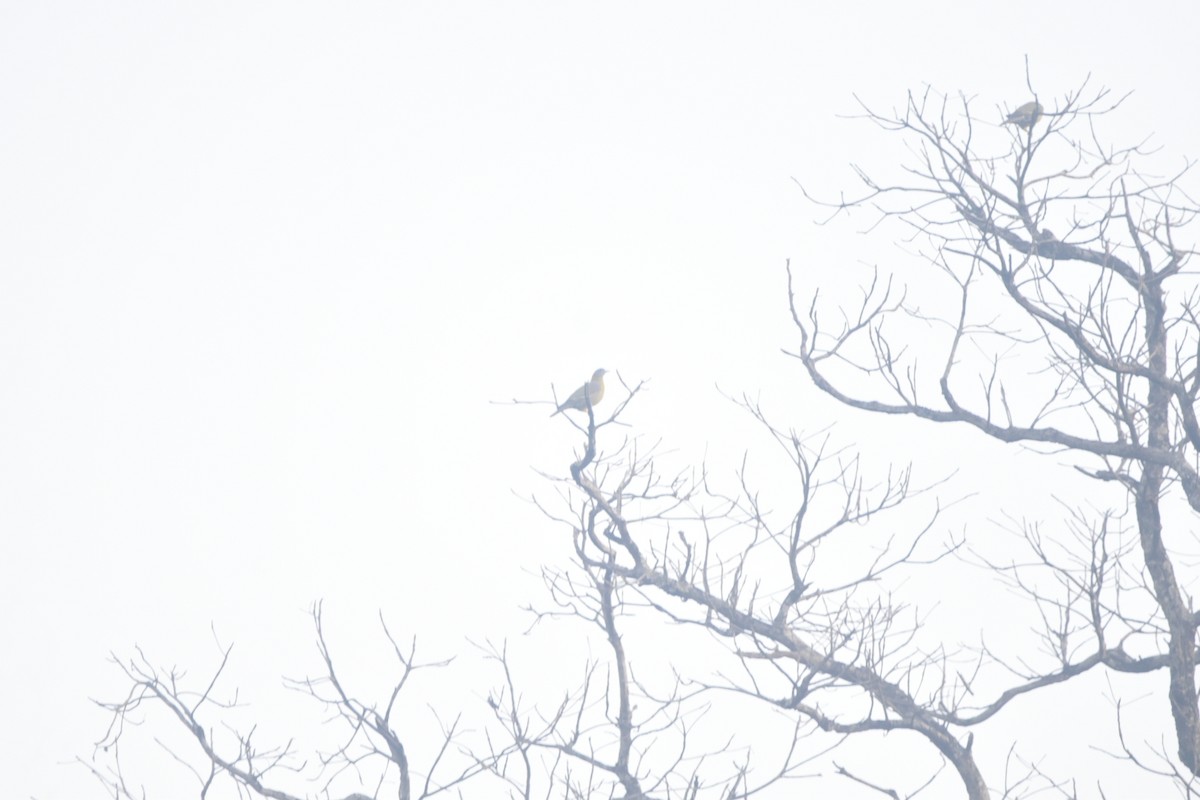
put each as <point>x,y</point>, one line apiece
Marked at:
<point>593,390</point>
<point>1025,116</point>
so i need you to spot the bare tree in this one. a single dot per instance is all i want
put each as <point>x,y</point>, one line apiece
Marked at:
<point>829,647</point>
<point>370,751</point>
<point>772,629</point>
<point>1081,344</point>
<point>749,641</point>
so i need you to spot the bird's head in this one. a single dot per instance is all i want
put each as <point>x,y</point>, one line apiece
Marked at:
<point>598,374</point>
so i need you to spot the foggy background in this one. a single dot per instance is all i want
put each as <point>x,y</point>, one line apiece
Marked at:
<point>270,274</point>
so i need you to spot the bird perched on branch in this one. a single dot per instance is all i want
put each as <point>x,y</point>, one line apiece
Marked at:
<point>1025,116</point>
<point>593,390</point>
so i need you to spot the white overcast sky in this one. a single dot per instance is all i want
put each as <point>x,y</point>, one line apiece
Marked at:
<point>265,269</point>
